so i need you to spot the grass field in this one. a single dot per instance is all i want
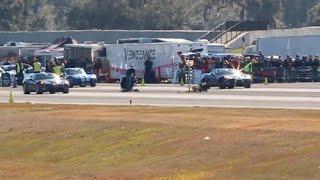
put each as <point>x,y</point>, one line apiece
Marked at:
<point>88,142</point>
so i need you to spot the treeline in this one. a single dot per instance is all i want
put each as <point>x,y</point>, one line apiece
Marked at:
<point>30,15</point>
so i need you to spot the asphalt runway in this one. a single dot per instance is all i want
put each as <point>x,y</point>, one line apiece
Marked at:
<point>282,96</point>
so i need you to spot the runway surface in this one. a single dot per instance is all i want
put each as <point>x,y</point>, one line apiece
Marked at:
<point>286,96</point>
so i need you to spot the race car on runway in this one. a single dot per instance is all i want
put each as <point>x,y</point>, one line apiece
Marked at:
<point>45,82</point>
<point>78,77</point>
<point>225,78</point>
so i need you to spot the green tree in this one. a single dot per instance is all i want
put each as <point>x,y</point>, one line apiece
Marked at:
<point>314,15</point>
<point>17,15</point>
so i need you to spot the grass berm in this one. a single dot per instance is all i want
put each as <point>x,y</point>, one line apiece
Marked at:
<point>105,142</point>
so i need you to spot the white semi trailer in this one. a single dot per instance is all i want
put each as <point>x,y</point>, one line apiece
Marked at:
<point>289,45</point>
<point>164,56</point>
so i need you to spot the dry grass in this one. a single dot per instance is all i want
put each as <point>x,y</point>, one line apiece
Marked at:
<point>88,142</point>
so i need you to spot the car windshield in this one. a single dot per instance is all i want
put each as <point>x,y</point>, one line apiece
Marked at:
<point>44,76</point>
<point>9,68</point>
<point>74,71</point>
<point>224,71</point>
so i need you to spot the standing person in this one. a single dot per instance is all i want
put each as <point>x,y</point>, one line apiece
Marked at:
<point>36,66</point>
<point>266,68</point>
<point>182,70</point>
<point>88,67</point>
<point>196,71</point>
<point>272,67</point>
<point>234,63</point>
<point>57,69</point>
<point>279,69</point>
<point>85,64</point>
<point>206,65</point>
<point>225,63</point>
<point>316,68</point>
<point>297,62</point>
<point>149,74</point>
<point>248,67</point>
<point>304,61</point>
<point>49,67</point>
<point>261,56</point>
<point>310,61</point>
<point>281,65</point>
<point>97,67</point>
<point>288,67</point>
<point>19,71</point>
<point>219,63</point>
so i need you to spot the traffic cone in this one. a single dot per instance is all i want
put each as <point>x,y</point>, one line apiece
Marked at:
<point>142,82</point>
<point>11,97</point>
<point>266,81</point>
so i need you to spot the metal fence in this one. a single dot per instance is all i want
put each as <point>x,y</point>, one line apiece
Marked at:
<point>281,74</point>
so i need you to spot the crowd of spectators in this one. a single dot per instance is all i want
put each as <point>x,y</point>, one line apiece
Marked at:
<point>259,66</point>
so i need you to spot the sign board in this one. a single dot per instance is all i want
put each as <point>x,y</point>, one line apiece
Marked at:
<point>5,79</point>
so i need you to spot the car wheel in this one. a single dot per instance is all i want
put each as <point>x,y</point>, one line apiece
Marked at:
<point>66,90</point>
<point>203,88</point>
<point>247,86</point>
<point>221,86</point>
<point>25,89</point>
<point>231,86</point>
<point>221,83</point>
<point>39,89</point>
<point>52,91</point>
<point>93,83</point>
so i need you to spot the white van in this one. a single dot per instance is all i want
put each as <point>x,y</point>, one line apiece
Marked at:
<point>214,48</point>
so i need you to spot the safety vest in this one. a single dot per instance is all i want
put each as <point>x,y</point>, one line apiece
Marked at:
<point>18,70</point>
<point>248,68</point>
<point>37,67</point>
<point>57,70</point>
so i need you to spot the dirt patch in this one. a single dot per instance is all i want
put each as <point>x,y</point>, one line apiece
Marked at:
<point>88,142</point>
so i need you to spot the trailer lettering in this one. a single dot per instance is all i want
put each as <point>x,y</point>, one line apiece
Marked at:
<point>140,54</point>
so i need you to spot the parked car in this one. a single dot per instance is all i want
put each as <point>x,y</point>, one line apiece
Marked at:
<point>45,82</point>
<point>1,71</point>
<point>225,78</point>
<point>78,77</point>
<point>11,69</point>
